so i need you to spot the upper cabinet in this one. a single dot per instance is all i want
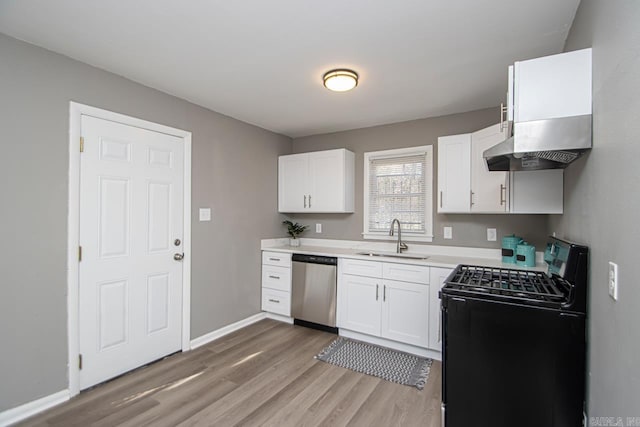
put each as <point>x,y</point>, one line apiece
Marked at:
<point>465,184</point>
<point>321,181</point>
<point>551,87</point>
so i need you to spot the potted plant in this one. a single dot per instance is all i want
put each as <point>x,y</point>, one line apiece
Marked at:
<point>294,229</point>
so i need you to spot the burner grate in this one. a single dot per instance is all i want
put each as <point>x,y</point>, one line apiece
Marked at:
<point>522,284</point>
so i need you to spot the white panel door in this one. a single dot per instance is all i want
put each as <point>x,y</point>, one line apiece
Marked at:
<point>405,312</point>
<point>361,299</point>
<point>454,173</point>
<point>490,190</point>
<point>326,181</point>
<point>438,276</point>
<point>131,213</point>
<point>293,183</point>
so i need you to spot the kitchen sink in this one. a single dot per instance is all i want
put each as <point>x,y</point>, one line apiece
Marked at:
<point>393,255</point>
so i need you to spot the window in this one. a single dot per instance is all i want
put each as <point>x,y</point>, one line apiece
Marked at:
<point>398,184</point>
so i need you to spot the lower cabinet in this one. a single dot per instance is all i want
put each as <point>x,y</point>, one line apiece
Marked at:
<point>276,283</point>
<point>390,309</point>
<point>360,302</point>
<point>405,312</point>
<point>438,277</point>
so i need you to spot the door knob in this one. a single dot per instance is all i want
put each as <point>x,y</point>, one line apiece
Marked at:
<point>178,257</point>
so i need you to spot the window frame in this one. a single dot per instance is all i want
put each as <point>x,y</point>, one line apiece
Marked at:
<point>426,150</point>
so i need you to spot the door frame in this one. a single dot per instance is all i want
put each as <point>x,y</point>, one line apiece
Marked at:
<point>76,111</point>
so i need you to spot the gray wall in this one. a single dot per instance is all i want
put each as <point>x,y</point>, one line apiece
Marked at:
<point>468,230</point>
<point>234,172</point>
<point>602,205</point>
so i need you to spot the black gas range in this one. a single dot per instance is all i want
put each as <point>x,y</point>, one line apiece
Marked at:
<point>514,342</point>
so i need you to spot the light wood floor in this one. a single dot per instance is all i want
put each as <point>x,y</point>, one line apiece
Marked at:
<point>264,374</point>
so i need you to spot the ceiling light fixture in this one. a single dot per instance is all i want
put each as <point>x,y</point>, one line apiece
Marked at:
<point>340,80</point>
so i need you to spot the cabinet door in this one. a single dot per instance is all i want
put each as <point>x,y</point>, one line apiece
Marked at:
<point>405,312</point>
<point>360,306</point>
<point>553,86</point>
<point>490,191</point>
<point>537,192</point>
<point>438,276</point>
<point>326,181</point>
<point>292,183</point>
<point>454,173</point>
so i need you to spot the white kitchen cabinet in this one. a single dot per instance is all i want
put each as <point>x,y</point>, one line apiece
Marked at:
<point>465,184</point>
<point>552,86</point>
<point>537,191</point>
<point>321,181</point>
<point>405,312</point>
<point>438,276</point>
<point>454,173</point>
<point>372,301</point>
<point>489,190</point>
<point>360,303</point>
<point>276,283</point>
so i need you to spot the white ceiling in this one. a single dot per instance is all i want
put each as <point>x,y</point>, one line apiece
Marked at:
<point>262,61</point>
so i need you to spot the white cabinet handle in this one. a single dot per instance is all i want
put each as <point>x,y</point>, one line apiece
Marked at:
<point>274,259</point>
<point>376,292</point>
<point>274,300</point>
<point>441,199</point>
<point>503,200</point>
<point>471,197</point>
<point>305,201</point>
<point>384,292</point>
<point>274,277</point>
<point>309,200</point>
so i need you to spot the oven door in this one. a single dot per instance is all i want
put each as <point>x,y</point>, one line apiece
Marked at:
<point>511,365</point>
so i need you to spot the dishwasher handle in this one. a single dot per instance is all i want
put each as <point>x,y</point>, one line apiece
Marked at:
<point>314,259</point>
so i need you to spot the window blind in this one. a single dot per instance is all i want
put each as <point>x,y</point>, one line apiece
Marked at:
<point>398,188</point>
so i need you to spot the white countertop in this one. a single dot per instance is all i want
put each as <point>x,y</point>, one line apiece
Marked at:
<point>446,257</point>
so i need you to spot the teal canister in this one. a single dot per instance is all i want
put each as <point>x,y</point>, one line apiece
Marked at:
<point>509,245</point>
<point>526,255</point>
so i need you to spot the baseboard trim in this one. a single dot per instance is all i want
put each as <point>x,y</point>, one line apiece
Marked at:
<point>24,411</point>
<point>279,317</point>
<point>225,330</point>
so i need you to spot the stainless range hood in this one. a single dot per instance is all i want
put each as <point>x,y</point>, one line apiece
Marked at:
<point>542,144</point>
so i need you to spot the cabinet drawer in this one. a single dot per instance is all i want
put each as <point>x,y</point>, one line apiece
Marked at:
<point>361,268</point>
<point>275,277</point>
<point>278,302</point>
<point>276,258</point>
<point>406,273</point>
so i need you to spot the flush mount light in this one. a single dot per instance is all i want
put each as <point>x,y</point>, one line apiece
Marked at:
<point>340,80</point>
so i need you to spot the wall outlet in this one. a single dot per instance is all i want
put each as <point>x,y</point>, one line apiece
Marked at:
<point>613,280</point>
<point>205,214</point>
<point>448,232</point>
<point>492,235</point>
<point>318,228</point>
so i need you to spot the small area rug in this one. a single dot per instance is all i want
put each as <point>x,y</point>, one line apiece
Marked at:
<point>391,365</point>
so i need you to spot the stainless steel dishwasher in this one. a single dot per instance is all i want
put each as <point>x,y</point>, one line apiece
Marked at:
<point>313,291</point>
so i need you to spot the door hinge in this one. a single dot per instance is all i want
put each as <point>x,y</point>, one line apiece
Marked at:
<point>79,253</point>
<point>82,144</point>
<point>80,361</point>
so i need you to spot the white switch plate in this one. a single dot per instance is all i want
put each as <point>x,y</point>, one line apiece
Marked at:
<point>448,232</point>
<point>205,214</point>
<point>318,228</point>
<point>613,280</point>
<point>492,235</point>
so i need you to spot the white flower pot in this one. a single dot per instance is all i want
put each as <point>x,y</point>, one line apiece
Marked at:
<point>294,242</point>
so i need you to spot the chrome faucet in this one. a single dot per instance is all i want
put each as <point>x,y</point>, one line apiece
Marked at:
<point>401,246</point>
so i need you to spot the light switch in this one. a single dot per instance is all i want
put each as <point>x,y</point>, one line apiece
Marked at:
<point>448,232</point>
<point>492,235</point>
<point>205,214</point>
